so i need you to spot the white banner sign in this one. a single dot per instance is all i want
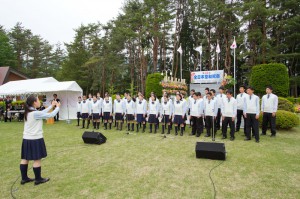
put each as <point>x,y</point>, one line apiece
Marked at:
<point>213,76</point>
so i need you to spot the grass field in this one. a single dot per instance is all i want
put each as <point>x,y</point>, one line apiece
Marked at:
<point>145,165</point>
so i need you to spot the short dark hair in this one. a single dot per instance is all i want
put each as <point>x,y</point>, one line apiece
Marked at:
<point>193,90</point>
<point>199,93</point>
<point>222,88</point>
<point>209,94</point>
<point>117,94</point>
<point>251,88</point>
<point>269,87</point>
<point>206,89</point>
<point>229,92</point>
<point>79,97</point>
<point>54,95</point>
<point>213,90</point>
<point>196,94</point>
<point>243,86</point>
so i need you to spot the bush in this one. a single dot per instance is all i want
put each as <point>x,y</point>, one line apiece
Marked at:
<point>291,99</point>
<point>153,84</point>
<point>286,105</point>
<point>284,120</point>
<point>273,74</point>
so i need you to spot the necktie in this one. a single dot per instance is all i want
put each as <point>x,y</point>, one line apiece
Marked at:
<point>165,102</point>
<point>268,96</point>
<point>107,102</point>
<point>221,95</point>
<point>228,100</point>
<point>177,102</point>
<point>79,102</point>
<point>195,102</point>
<point>208,101</point>
<point>242,95</point>
<point>83,101</point>
<point>118,101</point>
<point>250,97</point>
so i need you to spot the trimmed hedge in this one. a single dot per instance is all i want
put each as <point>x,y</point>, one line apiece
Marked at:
<point>13,103</point>
<point>285,104</point>
<point>153,84</point>
<point>273,74</point>
<point>284,120</point>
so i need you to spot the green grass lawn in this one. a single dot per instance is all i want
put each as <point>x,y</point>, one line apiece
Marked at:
<point>144,165</point>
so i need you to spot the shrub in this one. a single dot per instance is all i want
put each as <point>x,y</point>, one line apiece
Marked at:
<point>284,120</point>
<point>291,99</point>
<point>286,105</point>
<point>273,74</point>
<point>153,84</point>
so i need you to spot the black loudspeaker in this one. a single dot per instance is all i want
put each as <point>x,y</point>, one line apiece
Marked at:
<point>93,138</point>
<point>210,150</point>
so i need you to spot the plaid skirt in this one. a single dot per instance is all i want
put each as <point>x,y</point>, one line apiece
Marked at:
<point>33,149</point>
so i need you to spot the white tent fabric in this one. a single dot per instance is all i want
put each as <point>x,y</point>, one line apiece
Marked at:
<point>67,92</point>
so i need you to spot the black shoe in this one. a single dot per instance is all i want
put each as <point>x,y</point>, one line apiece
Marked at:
<point>257,141</point>
<point>26,181</point>
<point>237,130</point>
<point>263,134</point>
<point>232,138</point>
<point>247,139</point>
<point>224,137</point>
<point>273,135</point>
<point>192,134</point>
<point>198,135</point>
<point>43,180</point>
<point>207,135</point>
<point>253,136</point>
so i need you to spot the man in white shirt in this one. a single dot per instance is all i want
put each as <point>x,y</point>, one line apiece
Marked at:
<point>251,113</point>
<point>269,107</point>
<point>220,98</point>
<point>196,113</point>
<point>240,98</point>
<point>210,112</point>
<point>79,110</point>
<point>228,111</point>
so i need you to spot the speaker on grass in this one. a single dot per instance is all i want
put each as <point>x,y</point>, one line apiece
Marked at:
<point>93,138</point>
<point>210,150</point>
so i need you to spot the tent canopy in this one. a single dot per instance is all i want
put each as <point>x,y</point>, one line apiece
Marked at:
<point>67,92</point>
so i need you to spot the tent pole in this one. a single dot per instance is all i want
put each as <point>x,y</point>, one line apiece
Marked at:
<point>68,120</point>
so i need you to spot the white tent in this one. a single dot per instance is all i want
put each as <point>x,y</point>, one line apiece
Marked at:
<point>67,92</point>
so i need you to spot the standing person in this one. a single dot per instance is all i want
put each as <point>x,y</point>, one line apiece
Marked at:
<point>167,112</point>
<point>240,98</point>
<point>190,100</point>
<point>186,112</point>
<point>251,113</point>
<point>196,108</point>
<point>85,111</point>
<point>269,107</point>
<point>96,112</point>
<point>125,97</point>
<point>119,111</point>
<point>141,111</point>
<point>179,114</point>
<point>33,145</point>
<point>56,117</point>
<point>90,101</point>
<point>130,112</point>
<point>79,110</point>
<point>228,111</point>
<point>206,90</point>
<point>210,112</point>
<point>220,97</point>
<point>153,113</point>
<point>8,106</point>
<point>107,112</point>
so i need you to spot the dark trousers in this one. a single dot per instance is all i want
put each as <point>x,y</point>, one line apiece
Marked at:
<point>268,118</point>
<point>239,120</point>
<point>218,119</point>
<point>228,121</point>
<point>56,117</point>
<point>252,123</point>
<point>6,116</point>
<point>197,126</point>
<point>209,122</point>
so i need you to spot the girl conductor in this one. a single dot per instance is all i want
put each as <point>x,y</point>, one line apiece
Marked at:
<point>33,145</point>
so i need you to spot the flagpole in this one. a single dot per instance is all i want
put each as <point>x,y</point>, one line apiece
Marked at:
<point>217,61</point>
<point>200,63</point>
<point>180,66</point>
<point>234,69</point>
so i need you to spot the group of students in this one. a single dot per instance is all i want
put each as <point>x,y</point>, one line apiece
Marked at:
<point>208,111</point>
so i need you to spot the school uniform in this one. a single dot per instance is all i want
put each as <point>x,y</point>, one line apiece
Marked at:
<point>178,115</point>
<point>196,112</point>
<point>240,98</point>
<point>130,112</point>
<point>228,111</point>
<point>166,110</point>
<point>220,97</point>
<point>7,108</point>
<point>33,144</point>
<point>78,112</point>
<point>119,111</point>
<point>107,112</point>
<point>85,111</point>
<point>153,114</point>
<point>269,105</point>
<point>56,117</point>
<point>210,113</point>
<point>251,109</point>
<point>100,100</point>
<point>141,112</point>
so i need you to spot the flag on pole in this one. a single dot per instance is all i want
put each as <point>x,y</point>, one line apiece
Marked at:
<point>179,50</point>
<point>199,49</point>
<point>218,50</point>
<point>233,45</point>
